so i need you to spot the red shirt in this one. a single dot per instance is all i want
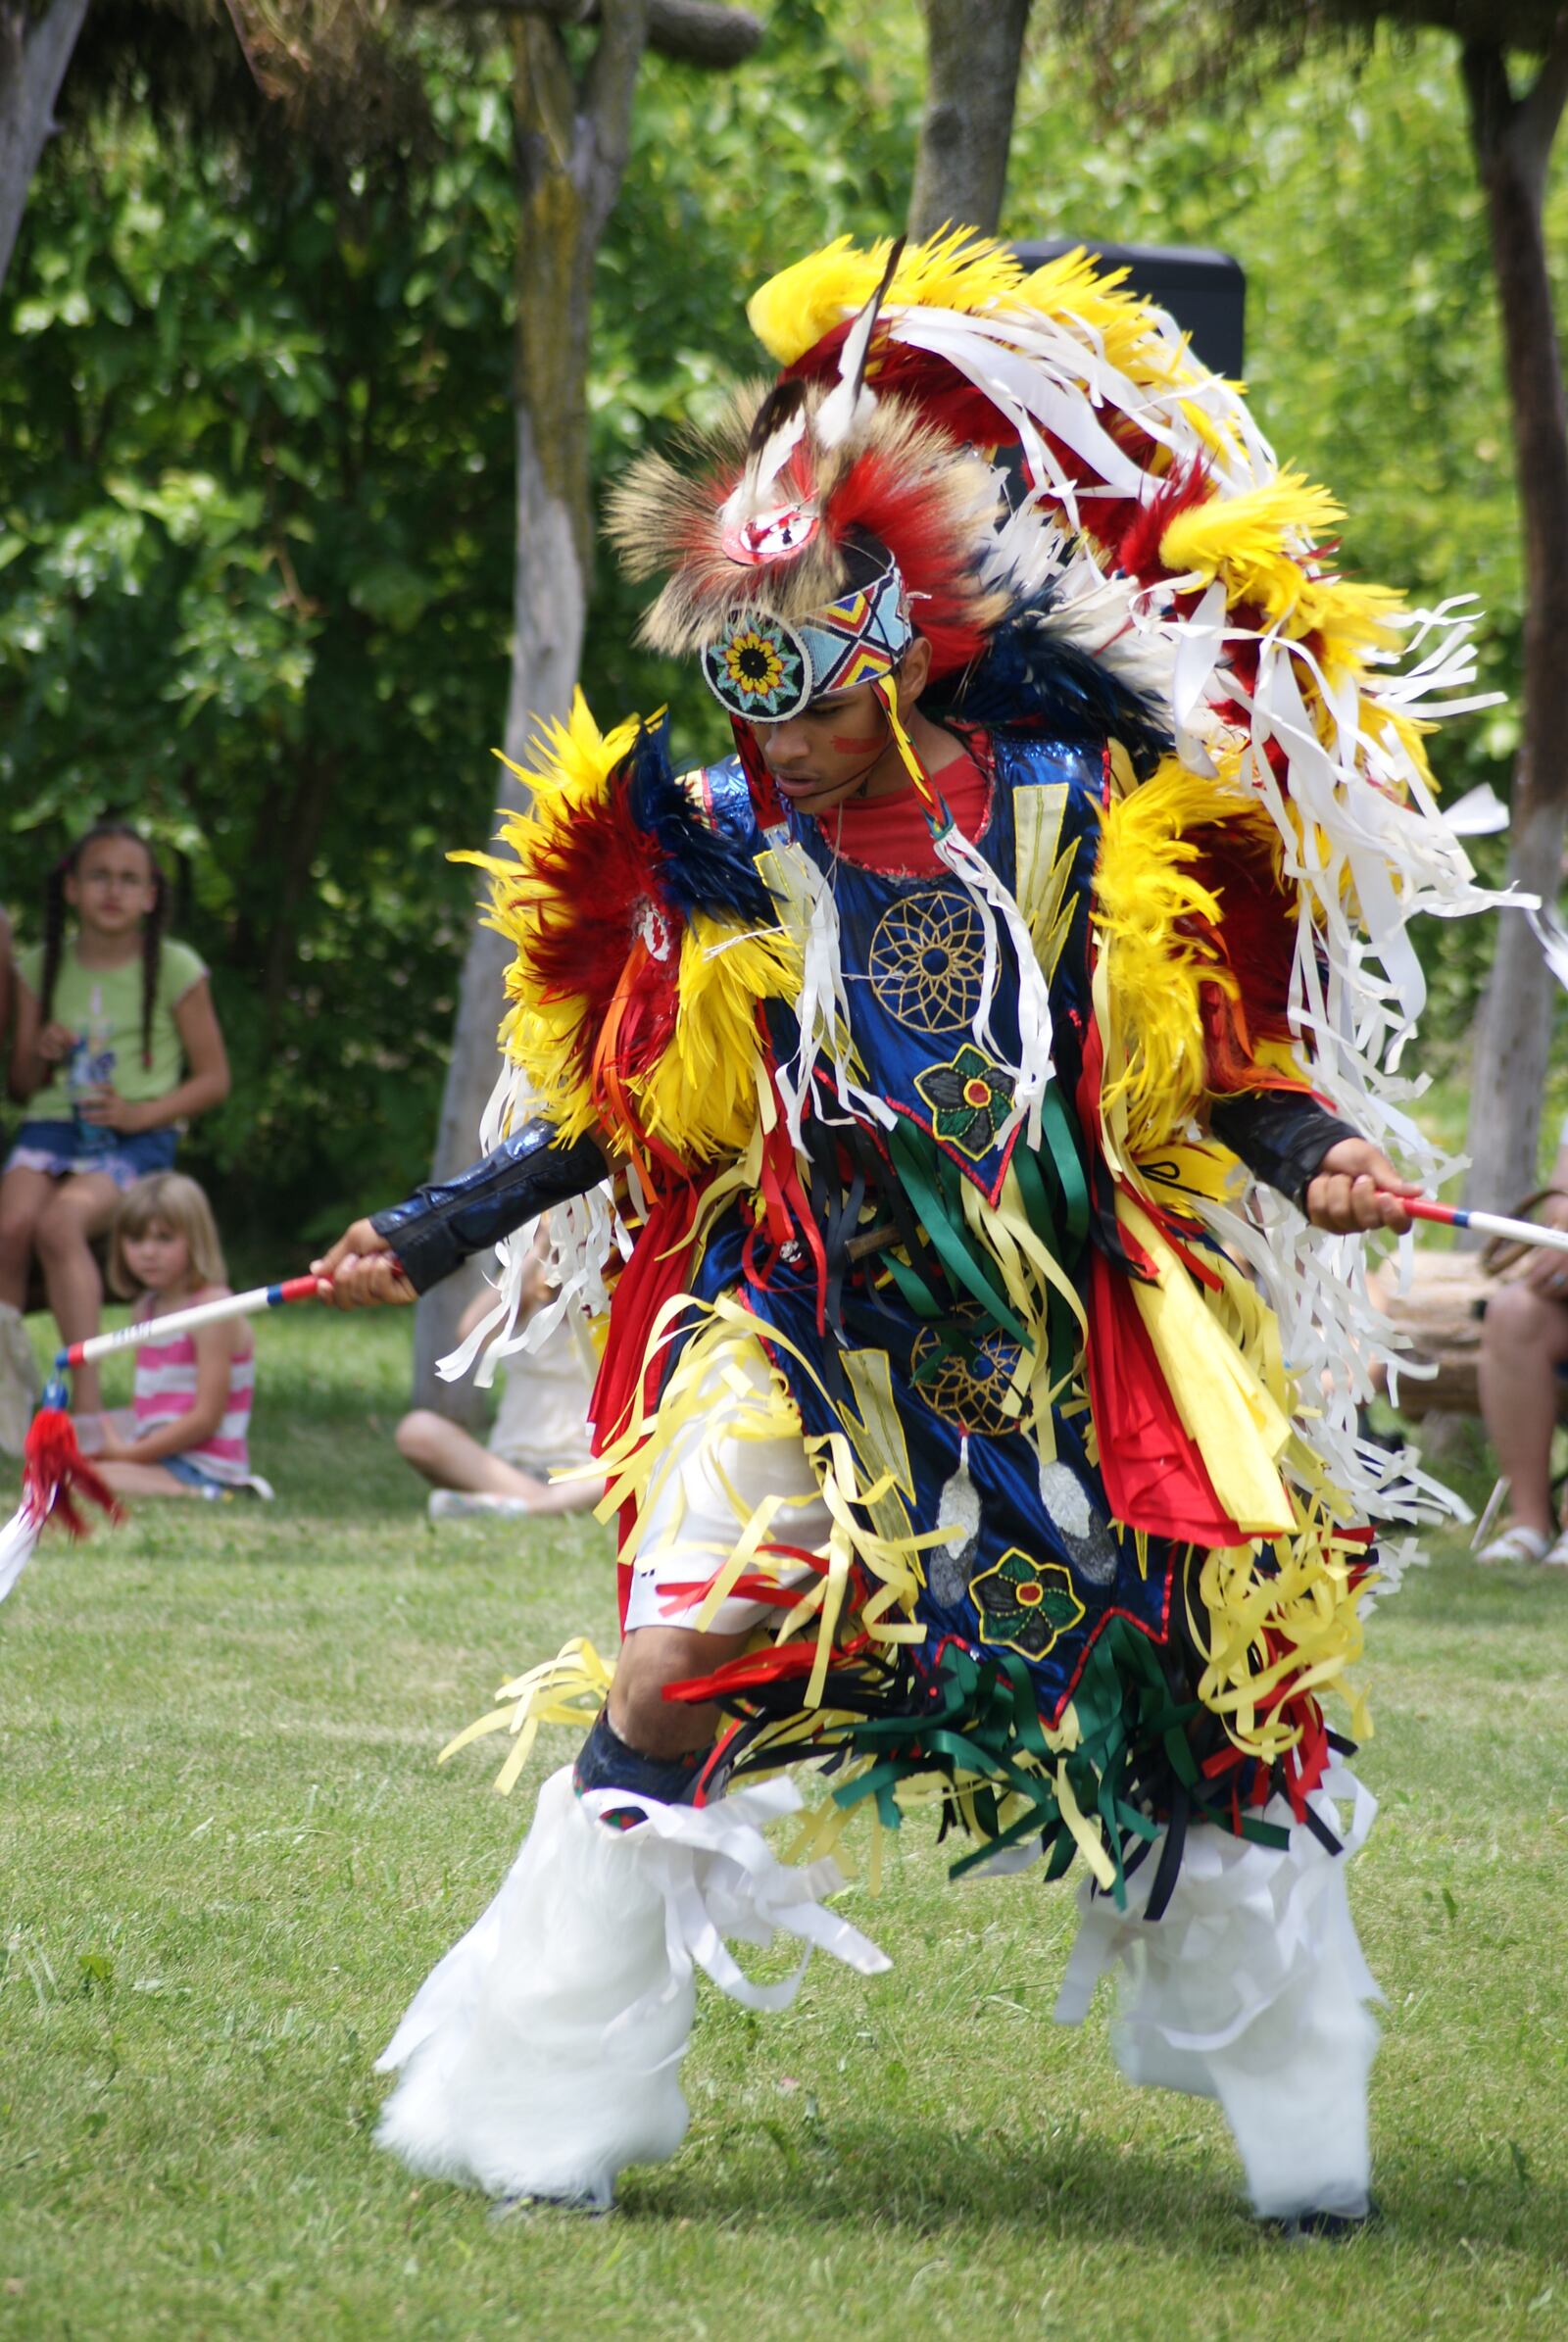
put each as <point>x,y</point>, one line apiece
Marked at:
<point>891,834</point>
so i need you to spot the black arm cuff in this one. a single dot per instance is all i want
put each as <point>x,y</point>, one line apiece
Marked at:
<point>1281,1135</point>
<point>443,1222</point>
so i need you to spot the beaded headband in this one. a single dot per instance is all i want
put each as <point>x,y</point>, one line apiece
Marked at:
<point>763,670</point>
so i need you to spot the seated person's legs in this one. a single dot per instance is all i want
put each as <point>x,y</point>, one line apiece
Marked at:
<point>80,1208</point>
<point>147,1480</point>
<point>538,1399</point>
<point>1523,1338</point>
<point>23,1195</point>
<point>449,1457</point>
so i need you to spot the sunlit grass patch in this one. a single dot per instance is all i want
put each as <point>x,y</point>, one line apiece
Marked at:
<point>229,1857</point>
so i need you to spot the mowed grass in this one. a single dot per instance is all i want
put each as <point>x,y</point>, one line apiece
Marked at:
<point>229,1857</point>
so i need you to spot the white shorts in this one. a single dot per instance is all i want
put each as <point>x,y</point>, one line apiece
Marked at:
<point>722,1464</point>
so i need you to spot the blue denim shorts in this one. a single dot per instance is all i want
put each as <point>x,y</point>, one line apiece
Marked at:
<point>192,1475</point>
<point>60,1150</point>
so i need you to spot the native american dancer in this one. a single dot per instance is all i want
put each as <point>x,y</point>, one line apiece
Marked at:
<point>892,1087</point>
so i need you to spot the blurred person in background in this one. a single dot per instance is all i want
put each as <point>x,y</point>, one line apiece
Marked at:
<point>1524,1341</point>
<point>188,1432</point>
<point>19,1380</point>
<point>117,1045</point>
<point>541,1427</point>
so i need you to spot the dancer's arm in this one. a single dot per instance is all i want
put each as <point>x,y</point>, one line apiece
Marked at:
<point>399,1254</point>
<point>1338,1178</point>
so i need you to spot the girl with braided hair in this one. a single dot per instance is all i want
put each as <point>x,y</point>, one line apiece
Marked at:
<point>117,1045</point>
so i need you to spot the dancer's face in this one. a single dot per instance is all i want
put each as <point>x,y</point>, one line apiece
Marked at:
<point>842,744</point>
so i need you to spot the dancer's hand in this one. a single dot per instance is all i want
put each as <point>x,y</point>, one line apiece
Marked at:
<point>360,1270</point>
<point>1356,1187</point>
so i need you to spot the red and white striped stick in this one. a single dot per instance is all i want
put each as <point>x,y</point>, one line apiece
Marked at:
<point>55,1475</point>
<point>183,1321</point>
<point>1487,1223</point>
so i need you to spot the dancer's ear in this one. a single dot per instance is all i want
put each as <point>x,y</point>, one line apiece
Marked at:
<point>913,675</point>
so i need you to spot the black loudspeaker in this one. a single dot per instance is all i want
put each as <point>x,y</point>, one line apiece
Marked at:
<point>1205,292</point>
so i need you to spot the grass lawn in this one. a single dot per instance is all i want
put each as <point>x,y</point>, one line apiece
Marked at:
<point>228,1858</point>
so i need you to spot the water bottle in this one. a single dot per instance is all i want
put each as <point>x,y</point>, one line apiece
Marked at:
<point>91,1067</point>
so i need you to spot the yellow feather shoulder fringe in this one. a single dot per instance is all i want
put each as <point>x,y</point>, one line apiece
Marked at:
<point>699,1098</point>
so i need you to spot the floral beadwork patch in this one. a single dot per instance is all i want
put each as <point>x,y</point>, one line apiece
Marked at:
<point>969,1100</point>
<point>1025,1606</point>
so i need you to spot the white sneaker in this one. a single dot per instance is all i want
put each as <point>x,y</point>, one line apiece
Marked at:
<point>1556,1557</point>
<point>1521,1544</point>
<point>472,1505</point>
<point>19,1380</point>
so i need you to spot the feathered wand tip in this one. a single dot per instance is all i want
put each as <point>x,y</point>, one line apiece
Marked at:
<point>55,1475</point>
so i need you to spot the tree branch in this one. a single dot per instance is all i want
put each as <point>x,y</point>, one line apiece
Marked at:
<point>1532,25</point>
<point>697,32</point>
<point>1541,109</point>
<point>609,86</point>
<point>973,57</point>
<point>1484,69</point>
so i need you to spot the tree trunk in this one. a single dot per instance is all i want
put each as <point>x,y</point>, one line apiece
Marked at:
<point>550,602</point>
<point>570,150</point>
<point>35,52</point>
<point>1512,139</point>
<point>974,49</point>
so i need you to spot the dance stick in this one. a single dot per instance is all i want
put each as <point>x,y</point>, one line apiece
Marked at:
<point>1486,1223</point>
<point>182,1321</point>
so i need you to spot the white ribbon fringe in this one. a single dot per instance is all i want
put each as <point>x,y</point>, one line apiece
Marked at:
<point>542,2055</point>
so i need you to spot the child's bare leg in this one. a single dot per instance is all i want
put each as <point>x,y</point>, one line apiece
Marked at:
<point>23,1195</point>
<point>555,1495</point>
<point>449,1457</point>
<point>80,1209</point>
<point>1524,1339</point>
<point>143,1479</point>
<point>443,1452</point>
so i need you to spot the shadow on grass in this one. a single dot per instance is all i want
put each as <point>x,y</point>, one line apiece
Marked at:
<point>916,2177</point>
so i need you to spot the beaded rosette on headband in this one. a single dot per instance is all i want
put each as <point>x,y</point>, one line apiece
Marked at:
<point>763,670</point>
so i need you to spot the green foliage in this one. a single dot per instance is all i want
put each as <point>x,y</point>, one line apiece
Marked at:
<point>256,523</point>
<point>256,508</point>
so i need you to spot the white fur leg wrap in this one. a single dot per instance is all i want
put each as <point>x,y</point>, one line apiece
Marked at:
<point>1250,1989</point>
<point>543,2053</point>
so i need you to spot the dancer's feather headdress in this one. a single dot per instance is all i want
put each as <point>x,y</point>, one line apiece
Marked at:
<point>809,534</point>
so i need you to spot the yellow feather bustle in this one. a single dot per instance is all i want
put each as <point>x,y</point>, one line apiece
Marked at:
<point>954,270</point>
<point>1262,545</point>
<point>699,1098</point>
<point>1150,961</point>
<point>1259,542</point>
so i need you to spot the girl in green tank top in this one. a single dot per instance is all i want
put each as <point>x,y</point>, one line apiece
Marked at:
<point>117,1046</point>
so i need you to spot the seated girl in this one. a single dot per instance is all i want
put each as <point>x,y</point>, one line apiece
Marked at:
<point>191,1408</point>
<point>117,1047</point>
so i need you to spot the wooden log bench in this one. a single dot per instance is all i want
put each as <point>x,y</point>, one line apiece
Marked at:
<point>1440,1318</point>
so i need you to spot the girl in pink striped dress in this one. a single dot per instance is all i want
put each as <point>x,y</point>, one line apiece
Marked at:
<point>190,1415</point>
